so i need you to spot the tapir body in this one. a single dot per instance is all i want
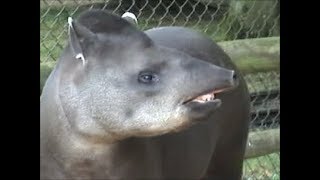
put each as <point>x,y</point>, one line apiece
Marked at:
<point>166,103</point>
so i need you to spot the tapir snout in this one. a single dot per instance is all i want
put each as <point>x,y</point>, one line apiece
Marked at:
<point>204,77</point>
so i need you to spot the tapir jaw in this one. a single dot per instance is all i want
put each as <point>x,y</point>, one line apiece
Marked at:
<point>207,101</point>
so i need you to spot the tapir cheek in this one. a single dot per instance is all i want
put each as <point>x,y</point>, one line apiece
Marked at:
<point>149,94</point>
<point>128,113</point>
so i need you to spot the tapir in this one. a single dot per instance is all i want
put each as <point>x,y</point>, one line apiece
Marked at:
<point>122,103</point>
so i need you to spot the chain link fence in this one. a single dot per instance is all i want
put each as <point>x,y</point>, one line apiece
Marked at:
<point>222,20</point>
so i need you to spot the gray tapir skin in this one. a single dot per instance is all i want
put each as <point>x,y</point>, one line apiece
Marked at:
<point>120,104</point>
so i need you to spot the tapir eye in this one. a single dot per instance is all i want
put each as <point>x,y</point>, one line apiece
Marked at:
<point>147,77</point>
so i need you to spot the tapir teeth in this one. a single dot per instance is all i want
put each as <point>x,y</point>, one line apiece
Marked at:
<point>204,98</point>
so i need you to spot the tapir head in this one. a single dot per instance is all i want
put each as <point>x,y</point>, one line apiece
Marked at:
<point>116,81</point>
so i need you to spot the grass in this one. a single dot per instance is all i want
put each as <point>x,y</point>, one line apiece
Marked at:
<point>264,167</point>
<point>46,69</point>
<point>263,81</point>
<point>251,64</point>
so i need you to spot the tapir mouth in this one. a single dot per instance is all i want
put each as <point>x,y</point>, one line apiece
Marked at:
<point>207,96</point>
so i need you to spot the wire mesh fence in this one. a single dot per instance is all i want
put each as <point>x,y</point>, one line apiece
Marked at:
<point>222,20</point>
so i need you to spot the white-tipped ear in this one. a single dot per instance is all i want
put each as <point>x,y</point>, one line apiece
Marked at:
<point>81,57</point>
<point>130,17</point>
<point>75,42</point>
<point>70,21</point>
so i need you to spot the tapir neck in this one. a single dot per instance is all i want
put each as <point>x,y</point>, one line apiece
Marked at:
<point>62,149</point>
<point>67,155</point>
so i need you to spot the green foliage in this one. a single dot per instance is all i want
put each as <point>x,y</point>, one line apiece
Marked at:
<point>264,167</point>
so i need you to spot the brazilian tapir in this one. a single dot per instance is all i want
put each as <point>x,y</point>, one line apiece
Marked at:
<point>121,103</point>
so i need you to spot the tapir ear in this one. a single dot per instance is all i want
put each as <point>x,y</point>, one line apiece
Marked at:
<point>77,33</point>
<point>130,17</point>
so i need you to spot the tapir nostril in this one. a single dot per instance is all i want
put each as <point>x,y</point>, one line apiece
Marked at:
<point>234,76</point>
